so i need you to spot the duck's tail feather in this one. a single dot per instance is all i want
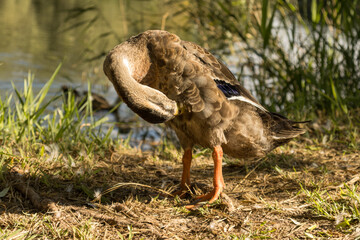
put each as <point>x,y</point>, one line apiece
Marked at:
<point>284,129</point>
<point>296,122</point>
<point>288,133</point>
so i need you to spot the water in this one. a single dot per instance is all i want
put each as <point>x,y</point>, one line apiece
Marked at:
<point>37,35</point>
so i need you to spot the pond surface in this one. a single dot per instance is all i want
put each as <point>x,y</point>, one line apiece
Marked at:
<point>38,35</point>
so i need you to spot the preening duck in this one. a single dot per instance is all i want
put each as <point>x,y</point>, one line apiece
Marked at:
<point>165,79</point>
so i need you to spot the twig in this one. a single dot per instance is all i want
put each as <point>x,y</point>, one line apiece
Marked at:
<point>43,204</point>
<point>118,185</point>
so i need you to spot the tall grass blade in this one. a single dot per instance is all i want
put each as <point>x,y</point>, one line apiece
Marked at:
<point>43,92</point>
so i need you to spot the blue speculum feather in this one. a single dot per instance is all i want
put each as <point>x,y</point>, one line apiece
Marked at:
<point>228,89</point>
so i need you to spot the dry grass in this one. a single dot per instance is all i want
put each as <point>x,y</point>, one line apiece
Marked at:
<point>277,200</point>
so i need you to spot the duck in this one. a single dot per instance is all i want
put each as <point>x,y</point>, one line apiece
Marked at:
<point>167,80</point>
<point>98,102</point>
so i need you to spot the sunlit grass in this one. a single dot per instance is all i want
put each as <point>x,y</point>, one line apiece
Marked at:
<point>31,133</point>
<point>341,207</point>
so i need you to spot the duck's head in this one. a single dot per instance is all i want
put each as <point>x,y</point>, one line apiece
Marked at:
<point>126,66</point>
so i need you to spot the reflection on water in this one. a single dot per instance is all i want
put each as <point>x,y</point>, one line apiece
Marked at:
<point>38,35</point>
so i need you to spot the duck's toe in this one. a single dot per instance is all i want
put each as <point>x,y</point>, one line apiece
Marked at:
<point>205,199</point>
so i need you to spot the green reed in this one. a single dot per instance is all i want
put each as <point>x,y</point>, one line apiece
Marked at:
<point>297,62</point>
<point>28,124</point>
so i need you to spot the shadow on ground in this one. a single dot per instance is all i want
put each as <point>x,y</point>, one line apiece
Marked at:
<point>266,195</point>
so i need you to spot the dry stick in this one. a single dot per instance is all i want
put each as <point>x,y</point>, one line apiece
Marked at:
<point>43,204</point>
<point>125,210</point>
<point>118,185</point>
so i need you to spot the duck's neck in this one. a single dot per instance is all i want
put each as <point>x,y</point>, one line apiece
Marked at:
<point>125,67</point>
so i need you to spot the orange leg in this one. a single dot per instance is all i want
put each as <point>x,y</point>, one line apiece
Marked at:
<point>218,181</point>
<point>185,179</point>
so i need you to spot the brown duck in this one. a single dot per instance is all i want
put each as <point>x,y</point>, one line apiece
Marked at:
<point>98,102</point>
<point>165,79</point>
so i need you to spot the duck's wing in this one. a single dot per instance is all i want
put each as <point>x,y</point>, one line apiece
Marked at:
<point>194,78</point>
<point>223,77</point>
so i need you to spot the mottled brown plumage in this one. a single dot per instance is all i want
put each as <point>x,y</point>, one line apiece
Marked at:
<point>165,79</point>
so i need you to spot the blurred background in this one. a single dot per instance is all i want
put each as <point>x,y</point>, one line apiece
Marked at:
<point>298,57</point>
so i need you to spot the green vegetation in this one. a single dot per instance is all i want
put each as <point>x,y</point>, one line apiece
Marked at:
<point>32,133</point>
<point>343,210</point>
<point>64,157</point>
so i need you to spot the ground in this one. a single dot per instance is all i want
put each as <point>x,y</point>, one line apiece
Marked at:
<point>299,191</point>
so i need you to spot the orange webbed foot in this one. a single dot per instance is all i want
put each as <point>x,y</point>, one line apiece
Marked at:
<point>182,192</point>
<point>205,199</point>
